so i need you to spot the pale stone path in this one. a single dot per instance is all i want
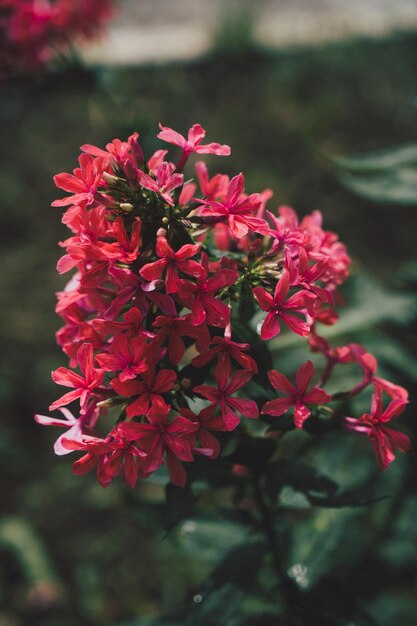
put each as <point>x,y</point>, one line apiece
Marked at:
<point>163,30</point>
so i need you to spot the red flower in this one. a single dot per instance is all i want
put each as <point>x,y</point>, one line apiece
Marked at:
<point>149,391</point>
<point>200,299</point>
<point>206,421</point>
<point>222,396</point>
<point>124,355</point>
<point>384,439</point>
<point>83,184</point>
<point>160,437</point>
<point>84,385</point>
<point>174,329</point>
<point>297,396</point>
<point>165,182</point>
<point>173,262</point>
<point>237,209</point>
<point>192,144</point>
<point>225,349</point>
<point>279,308</point>
<point>112,456</point>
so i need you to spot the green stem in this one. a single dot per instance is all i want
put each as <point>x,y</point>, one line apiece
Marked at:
<point>290,592</point>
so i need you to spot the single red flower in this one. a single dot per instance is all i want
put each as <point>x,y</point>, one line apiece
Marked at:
<point>172,439</point>
<point>281,309</point>
<point>222,396</point>
<point>113,456</point>
<point>124,355</point>
<point>148,390</point>
<point>206,422</point>
<point>373,424</point>
<point>200,298</point>
<point>173,262</point>
<point>83,184</point>
<point>165,182</point>
<point>174,329</point>
<point>192,144</point>
<point>237,209</point>
<point>84,385</point>
<point>296,396</point>
<point>225,350</point>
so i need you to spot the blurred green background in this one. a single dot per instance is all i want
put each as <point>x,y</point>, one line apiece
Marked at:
<point>75,554</point>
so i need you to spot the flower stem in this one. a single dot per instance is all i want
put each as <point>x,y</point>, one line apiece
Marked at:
<point>290,592</point>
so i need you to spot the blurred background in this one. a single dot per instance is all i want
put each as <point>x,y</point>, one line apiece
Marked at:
<point>298,90</point>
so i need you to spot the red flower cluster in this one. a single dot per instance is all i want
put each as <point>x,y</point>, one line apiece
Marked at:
<point>150,313</point>
<point>31,31</point>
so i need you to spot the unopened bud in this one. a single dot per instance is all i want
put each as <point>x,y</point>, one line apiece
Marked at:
<point>126,206</point>
<point>161,232</point>
<point>108,403</point>
<point>186,383</point>
<point>165,221</point>
<point>109,178</point>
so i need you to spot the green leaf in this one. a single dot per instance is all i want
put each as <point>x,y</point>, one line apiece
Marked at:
<point>386,176</point>
<point>381,160</point>
<point>389,187</point>
<point>209,539</point>
<point>221,599</point>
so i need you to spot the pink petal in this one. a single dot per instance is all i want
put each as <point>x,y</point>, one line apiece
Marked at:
<point>171,136</point>
<point>304,376</point>
<point>301,413</point>
<point>177,473</point>
<point>282,287</point>
<point>281,383</point>
<point>152,271</point>
<point>270,327</point>
<point>297,325</point>
<point>66,399</point>
<point>265,300</point>
<point>316,396</point>
<point>277,407</point>
<point>248,408</point>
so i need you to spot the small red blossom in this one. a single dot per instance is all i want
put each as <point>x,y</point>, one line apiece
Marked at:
<point>165,182</point>
<point>281,309</point>
<point>296,396</point>
<point>225,349</point>
<point>160,437</point>
<point>222,396</point>
<point>84,385</point>
<point>192,144</point>
<point>126,357</point>
<point>112,456</point>
<point>384,439</point>
<point>200,298</point>
<point>174,329</point>
<point>237,209</point>
<point>148,390</point>
<point>173,262</point>
<point>83,184</point>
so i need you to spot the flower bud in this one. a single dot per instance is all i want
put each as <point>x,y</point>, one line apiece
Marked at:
<point>126,206</point>
<point>109,178</point>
